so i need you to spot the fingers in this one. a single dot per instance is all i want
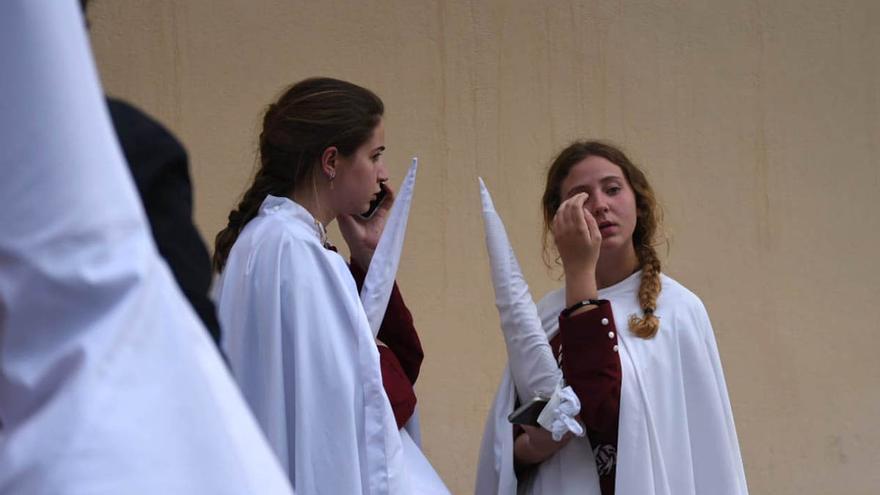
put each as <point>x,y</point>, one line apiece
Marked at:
<point>592,225</point>
<point>388,200</point>
<point>530,430</point>
<point>575,212</point>
<point>391,192</point>
<point>572,217</point>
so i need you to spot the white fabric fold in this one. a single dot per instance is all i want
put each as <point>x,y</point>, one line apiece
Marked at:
<point>534,370</point>
<point>301,349</point>
<point>108,381</point>
<point>382,272</point>
<point>306,359</point>
<point>558,416</point>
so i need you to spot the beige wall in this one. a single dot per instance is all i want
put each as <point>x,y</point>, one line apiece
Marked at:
<point>758,123</point>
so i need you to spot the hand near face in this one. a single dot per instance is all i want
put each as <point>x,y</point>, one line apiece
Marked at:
<point>577,236</point>
<point>362,236</point>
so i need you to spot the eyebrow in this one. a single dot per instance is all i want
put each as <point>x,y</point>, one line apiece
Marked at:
<point>379,149</point>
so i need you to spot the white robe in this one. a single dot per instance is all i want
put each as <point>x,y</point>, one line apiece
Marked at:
<point>301,348</point>
<point>109,383</point>
<point>676,431</point>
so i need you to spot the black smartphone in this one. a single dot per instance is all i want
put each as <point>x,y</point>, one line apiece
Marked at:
<point>374,204</point>
<point>527,414</point>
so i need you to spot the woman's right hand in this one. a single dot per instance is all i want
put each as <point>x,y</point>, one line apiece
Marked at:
<point>577,236</point>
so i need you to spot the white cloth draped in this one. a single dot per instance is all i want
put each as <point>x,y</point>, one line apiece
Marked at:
<point>303,352</point>
<point>108,382</point>
<point>677,435</point>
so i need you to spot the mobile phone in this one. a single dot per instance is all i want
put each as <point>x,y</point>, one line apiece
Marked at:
<point>374,204</point>
<point>527,414</point>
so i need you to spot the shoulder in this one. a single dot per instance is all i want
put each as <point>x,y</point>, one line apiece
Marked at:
<point>679,302</point>
<point>275,232</point>
<point>147,145</point>
<point>130,120</point>
<point>675,293</point>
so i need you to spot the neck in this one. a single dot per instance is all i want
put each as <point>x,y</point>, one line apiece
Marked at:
<point>615,266</point>
<point>311,197</point>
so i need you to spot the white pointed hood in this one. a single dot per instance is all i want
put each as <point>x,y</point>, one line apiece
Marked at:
<point>383,268</point>
<point>532,365</point>
<point>108,381</point>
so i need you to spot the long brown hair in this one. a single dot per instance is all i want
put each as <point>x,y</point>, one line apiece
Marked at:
<point>648,220</point>
<point>309,117</point>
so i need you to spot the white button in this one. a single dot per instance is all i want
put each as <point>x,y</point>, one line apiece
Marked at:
<point>610,335</point>
<point>605,322</point>
<point>615,348</point>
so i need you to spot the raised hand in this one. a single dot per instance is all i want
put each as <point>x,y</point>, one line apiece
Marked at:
<point>362,236</point>
<point>578,241</point>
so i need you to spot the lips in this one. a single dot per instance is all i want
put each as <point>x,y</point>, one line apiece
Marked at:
<point>606,226</point>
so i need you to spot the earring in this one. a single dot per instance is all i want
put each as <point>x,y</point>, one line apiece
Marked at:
<point>330,176</point>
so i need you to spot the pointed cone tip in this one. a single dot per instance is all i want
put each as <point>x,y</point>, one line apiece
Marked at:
<point>485,197</point>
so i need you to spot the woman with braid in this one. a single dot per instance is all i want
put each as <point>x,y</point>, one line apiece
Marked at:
<point>295,332</point>
<point>636,347</point>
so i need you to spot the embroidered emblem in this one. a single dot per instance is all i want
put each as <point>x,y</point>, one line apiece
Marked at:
<point>606,458</point>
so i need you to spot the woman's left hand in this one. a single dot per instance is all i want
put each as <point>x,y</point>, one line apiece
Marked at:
<point>536,445</point>
<point>362,236</point>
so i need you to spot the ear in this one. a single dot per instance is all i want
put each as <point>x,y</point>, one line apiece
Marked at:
<point>329,161</point>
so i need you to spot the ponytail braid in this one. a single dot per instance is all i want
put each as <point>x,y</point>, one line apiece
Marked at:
<point>646,327</point>
<point>247,210</point>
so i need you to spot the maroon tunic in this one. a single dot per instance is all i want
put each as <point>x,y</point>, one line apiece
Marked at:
<point>586,348</point>
<point>402,359</point>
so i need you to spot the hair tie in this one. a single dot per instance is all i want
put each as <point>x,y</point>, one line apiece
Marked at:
<point>649,311</point>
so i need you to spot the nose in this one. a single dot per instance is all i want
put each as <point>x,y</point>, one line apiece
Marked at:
<point>597,204</point>
<point>381,172</point>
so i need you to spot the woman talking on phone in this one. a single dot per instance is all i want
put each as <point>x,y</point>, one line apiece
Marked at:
<point>295,332</point>
<point>635,346</point>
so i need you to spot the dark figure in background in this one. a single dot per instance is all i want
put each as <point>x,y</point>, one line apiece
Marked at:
<point>159,166</point>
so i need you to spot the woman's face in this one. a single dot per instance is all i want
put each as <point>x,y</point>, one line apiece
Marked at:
<point>358,176</point>
<point>612,201</point>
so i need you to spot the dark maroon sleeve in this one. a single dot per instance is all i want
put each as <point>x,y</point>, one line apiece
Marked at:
<point>397,387</point>
<point>591,365</point>
<point>397,331</point>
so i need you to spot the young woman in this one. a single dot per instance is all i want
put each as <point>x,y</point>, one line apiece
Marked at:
<point>636,347</point>
<point>295,332</point>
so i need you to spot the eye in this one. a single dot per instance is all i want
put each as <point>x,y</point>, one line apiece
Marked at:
<point>613,190</point>
<point>375,158</point>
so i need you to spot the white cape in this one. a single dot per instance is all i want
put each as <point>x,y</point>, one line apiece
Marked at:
<point>677,435</point>
<point>109,383</point>
<point>301,348</point>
